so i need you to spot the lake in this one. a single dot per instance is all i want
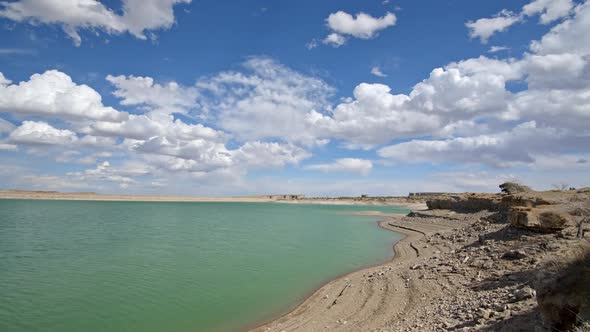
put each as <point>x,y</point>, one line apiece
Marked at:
<point>173,267</point>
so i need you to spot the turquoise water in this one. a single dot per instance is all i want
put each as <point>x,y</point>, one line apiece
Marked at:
<point>172,267</point>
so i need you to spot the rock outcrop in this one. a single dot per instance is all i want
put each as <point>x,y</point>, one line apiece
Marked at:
<point>467,203</point>
<point>514,188</point>
<point>543,219</point>
<point>522,207</point>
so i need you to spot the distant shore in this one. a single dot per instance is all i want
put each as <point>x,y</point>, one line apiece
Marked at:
<point>90,196</point>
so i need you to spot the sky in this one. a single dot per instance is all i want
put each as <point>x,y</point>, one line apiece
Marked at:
<point>323,98</point>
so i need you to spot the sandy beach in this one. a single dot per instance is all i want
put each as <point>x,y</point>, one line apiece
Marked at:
<point>370,298</point>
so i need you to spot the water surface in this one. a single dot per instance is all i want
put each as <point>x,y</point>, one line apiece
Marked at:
<point>172,267</point>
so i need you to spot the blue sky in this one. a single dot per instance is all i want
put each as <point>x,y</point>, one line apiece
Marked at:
<point>315,97</point>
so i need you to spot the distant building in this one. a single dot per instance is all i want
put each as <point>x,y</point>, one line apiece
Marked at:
<point>364,196</point>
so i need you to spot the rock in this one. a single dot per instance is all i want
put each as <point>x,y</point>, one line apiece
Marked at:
<point>543,220</point>
<point>466,203</point>
<point>513,188</point>
<point>523,294</point>
<point>514,254</point>
<point>499,307</point>
<point>485,313</point>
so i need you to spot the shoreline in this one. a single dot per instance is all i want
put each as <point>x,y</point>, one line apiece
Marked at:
<point>381,223</point>
<point>403,253</point>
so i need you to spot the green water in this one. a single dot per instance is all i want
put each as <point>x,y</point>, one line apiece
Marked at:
<point>172,267</point>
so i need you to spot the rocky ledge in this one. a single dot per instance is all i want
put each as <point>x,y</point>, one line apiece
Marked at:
<point>522,264</point>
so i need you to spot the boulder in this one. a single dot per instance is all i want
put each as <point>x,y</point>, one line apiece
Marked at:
<point>545,220</point>
<point>523,294</point>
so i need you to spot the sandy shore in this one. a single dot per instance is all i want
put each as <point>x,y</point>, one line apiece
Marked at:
<point>371,298</point>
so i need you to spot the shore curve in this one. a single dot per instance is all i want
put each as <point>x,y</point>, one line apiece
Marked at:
<point>369,298</point>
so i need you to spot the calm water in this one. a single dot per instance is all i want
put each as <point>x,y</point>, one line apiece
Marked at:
<point>171,267</point>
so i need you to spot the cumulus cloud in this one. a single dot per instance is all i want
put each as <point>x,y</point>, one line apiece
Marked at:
<point>334,40</point>
<point>373,117</point>
<point>549,11</point>
<point>353,165</point>
<point>138,16</point>
<point>41,133</point>
<point>267,101</point>
<point>517,146</point>
<point>267,115</point>
<point>145,126</point>
<point>484,28</point>
<point>569,36</point>
<point>105,172</point>
<point>269,154</point>
<point>54,94</point>
<point>165,98</point>
<point>363,26</point>
<point>451,98</point>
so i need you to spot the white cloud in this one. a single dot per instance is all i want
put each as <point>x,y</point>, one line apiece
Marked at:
<point>4,81</point>
<point>41,133</point>
<point>496,49</point>
<point>569,36</point>
<point>268,101</point>
<point>520,145</point>
<point>203,154</point>
<point>267,155</point>
<point>362,26</point>
<point>267,115</point>
<point>377,72</point>
<point>312,44</point>
<point>165,98</point>
<point>450,99</point>
<point>484,28</point>
<point>334,40</point>
<point>550,10</point>
<point>138,16</point>
<point>103,172</point>
<point>353,165</point>
<point>145,126</point>
<point>54,94</point>
<point>375,116</point>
